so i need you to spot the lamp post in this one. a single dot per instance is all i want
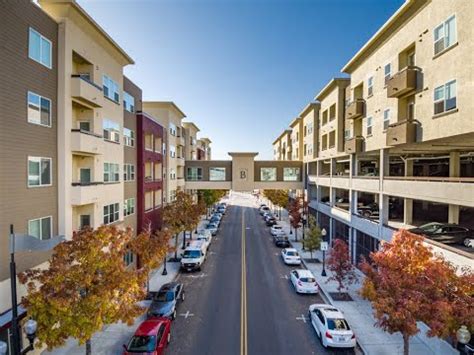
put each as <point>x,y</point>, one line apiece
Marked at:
<point>165,272</point>
<point>30,330</point>
<point>323,233</point>
<point>463,336</point>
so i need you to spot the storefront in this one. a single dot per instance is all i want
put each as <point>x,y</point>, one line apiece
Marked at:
<point>365,244</point>
<point>340,231</point>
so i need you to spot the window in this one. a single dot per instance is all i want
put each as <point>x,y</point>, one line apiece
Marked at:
<point>310,128</point>
<point>332,112</point>
<point>111,130</point>
<point>324,144</point>
<point>387,73</point>
<point>268,174</point>
<point>111,89</point>
<point>217,174</point>
<point>128,258</point>
<point>129,207</point>
<point>386,119</point>
<point>149,142</point>
<point>347,134</point>
<point>128,102</point>
<point>172,174</point>
<point>172,129</point>
<point>158,198</point>
<point>369,126</point>
<point>194,174</point>
<point>148,200</point>
<point>41,228</point>
<point>332,139</point>
<point>128,172</point>
<point>85,126</point>
<point>445,97</point>
<point>39,171</point>
<point>172,151</point>
<point>111,213</point>
<point>40,48</point>
<point>370,86</point>
<point>84,221</point>
<point>325,117</point>
<point>39,109</point>
<point>111,172</point>
<point>445,35</point>
<point>128,137</point>
<point>291,174</point>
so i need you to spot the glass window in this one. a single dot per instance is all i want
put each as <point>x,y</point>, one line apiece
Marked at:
<point>268,174</point>
<point>129,172</point>
<point>39,109</point>
<point>386,119</point>
<point>445,97</point>
<point>40,228</point>
<point>128,137</point>
<point>347,134</point>
<point>39,171</point>
<point>129,207</point>
<point>111,130</point>
<point>217,174</point>
<point>387,73</point>
<point>128,259</point>
<point>39,48</point>
<point>128,102</point>
<point>370,86</point>
<point>445,35</point>
<point>172,151</point>
<point>172,129</point>
<point>111,213</point>
<point>194,174</point>
<point>369,126</point>
<point>111,89</point>
<point>148,200</point>
<point>291,174</point>
<point>111,172</point>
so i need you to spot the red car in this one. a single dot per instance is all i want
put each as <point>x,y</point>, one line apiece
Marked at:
<point>151,337</point>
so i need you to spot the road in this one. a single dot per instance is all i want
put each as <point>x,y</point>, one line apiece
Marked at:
<point>242,302</point>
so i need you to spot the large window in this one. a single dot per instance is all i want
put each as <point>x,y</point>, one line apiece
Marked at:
<point>128,102</point>
<point>111,213</point>
<point>268,174</point>
<point>41,228</point>
<point>128,258</point>
<point>291,174</point>
<point>158,198</point>
<point>387,73</point>
<point>386,119</point>
<point>369,126</point>
<point>129,207</point>
<point>128,137</point>
<point>194,174</point>
<point>365,245</point>
<point>111,88</point>
<point>445,35</point>
<point>39,171</point>
<point>217,174</point>
<point>148,200</point>
<point>129,172</point>
<point>111,130</point>
<point>40,48</point>
<point>111,172</point>
<point>172,129</point>
<point>39,109</point>
<point>370,86</point>
<point>445,97</point>
<point>172,151</point>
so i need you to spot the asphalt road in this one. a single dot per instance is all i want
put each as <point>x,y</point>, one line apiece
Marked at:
<point>254,310</point>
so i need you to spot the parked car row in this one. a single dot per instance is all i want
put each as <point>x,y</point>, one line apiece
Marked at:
<point>448,233</point>
<point>328,322</point>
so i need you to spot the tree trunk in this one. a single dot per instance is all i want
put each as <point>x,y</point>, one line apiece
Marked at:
<point>406,344</point>
<point>88,347</point>
<point>279,214</point>
<point>176,246</point>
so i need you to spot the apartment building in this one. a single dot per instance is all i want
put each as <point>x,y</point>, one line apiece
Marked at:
<point>170,116</point>
<point>190,148</point>
<point>282,147</point>
<point>28,145</point>
<point>309,117</point>
<point>296,127</point>
<point>203,151</point>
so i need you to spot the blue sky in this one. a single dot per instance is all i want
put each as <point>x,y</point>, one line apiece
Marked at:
<point>240,69</point>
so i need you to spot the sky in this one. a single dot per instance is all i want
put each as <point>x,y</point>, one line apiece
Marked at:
<point>241,70</point>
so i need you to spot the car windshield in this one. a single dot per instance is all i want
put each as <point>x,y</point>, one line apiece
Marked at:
<point>191,254</point>
<point>430,227</point>
<point>164,296</point>
<point>308,279</point>
<point>291,253</point>
<point>142,344</point>
<point>338,324</point>
<point>276,227</point>
<point>211,225</point>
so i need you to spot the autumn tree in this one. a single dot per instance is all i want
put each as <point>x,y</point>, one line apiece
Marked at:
<point>294,211</point>
<point>280,199</point>
<point>85,287</point>
<point>339,262</point>
<point>209,198</point>
<point>152,248</point>
<point>407,283</point>
<point>313,237</point>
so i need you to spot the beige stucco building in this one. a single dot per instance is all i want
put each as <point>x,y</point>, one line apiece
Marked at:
<point>282,147</point>
<point>190,147</point>
<point>204,151</point>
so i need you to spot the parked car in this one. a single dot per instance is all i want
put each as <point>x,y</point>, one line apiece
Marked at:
<point>304,282</point>
<point>276,230</point>
<point>447,233</point>
<point>217,215</point>
<point>261,206</point>
<point>264,210</point>
<point>151,337</point>
<point>205,239</point>
<point>370,210</point>
<point>215,220</point>
<point>212,227</point>
<point>164,302</point>
<point>221,210</point>
<point>281,241</point>
<point>331,327</point>
<point>290,256</point>
<point>270,221</point>
<point>193,256</point>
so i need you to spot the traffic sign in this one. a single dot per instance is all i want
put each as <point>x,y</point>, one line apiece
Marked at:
<point>324,246</point>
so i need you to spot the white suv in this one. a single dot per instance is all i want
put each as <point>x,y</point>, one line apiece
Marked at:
<point>194,256</point>
<point>276,230</point>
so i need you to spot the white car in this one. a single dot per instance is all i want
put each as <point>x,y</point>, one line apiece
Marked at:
<point>331,326</point>
<point>206,239</point>
<point>276,230</point>
<point>290,256</point>
<point>304,281</point>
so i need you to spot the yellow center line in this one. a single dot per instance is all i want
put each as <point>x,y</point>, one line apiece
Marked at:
<point>243,298</point>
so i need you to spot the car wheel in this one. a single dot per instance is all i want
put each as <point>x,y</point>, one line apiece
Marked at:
<point>467,241</point>
<point>173,316</point>
<point>366,214</point>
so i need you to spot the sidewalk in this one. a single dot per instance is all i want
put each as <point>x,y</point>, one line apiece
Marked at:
<point>359,313</point>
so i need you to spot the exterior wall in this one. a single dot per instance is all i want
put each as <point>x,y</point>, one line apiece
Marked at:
<point>297,139</point>
<point>20,139</point>
<point>206,165</point>
<point>190,147</point>
<point>310,132</point>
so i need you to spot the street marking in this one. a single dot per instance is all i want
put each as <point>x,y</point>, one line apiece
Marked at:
<point>303,318</point>
<point>243,296</point>
<point>186,315</point>
<point>212,253</point>
<point>284,277</point>
<point>276,254</point>
<point>200,276</point>
<point>247,228</point>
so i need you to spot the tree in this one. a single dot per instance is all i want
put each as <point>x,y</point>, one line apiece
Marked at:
<point>280,199</point>
<point>339,262</point>
<point>313,238</point>
<point>179,215</point>
<point>152,248</point>
<point>407,283</point>
<point>294,210</point>
<point>211,197</point>
<point>85,286</point>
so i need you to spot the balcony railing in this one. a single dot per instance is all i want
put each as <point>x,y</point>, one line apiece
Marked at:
<point>353,145</point>
<point>86,142</point>
<point>85,91</point>
<point>403,82</point>
<point>355,109</point>
<point>403,132</point>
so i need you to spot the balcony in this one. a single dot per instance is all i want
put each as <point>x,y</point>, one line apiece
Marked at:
<point>402,83</point>
<point>355,109</point>
<point>85,193</point>
<point>86,142</point>
<point>403,132</point>
<point>86,92</point>
<point>353,145</point>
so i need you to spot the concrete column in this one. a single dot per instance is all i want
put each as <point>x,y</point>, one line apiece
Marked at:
<point>331,226</point>
<point>353,243</point>
<point>332,167</point>
<point>407,211</point>
<point>332,196</point>
<point>453,214</point>
<point>454,164</point>
<point>409,168</point>
<point>383,209</point>
<point>318,168</point>
<point>384,163</point>
<point>352,165</point>
<point>318,193</point>
<point>353,202</point>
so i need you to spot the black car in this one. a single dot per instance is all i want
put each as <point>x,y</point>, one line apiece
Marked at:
<point>164,301</point>
<point>447,233</point>
<point>271,221</point>
<point>370,210</point>
<point>281,241</point>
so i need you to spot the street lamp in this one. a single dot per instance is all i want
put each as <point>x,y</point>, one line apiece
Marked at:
<point>30,330</point>
<point>165,272</point>
<point>323,233</point>
<point>463,336</point>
